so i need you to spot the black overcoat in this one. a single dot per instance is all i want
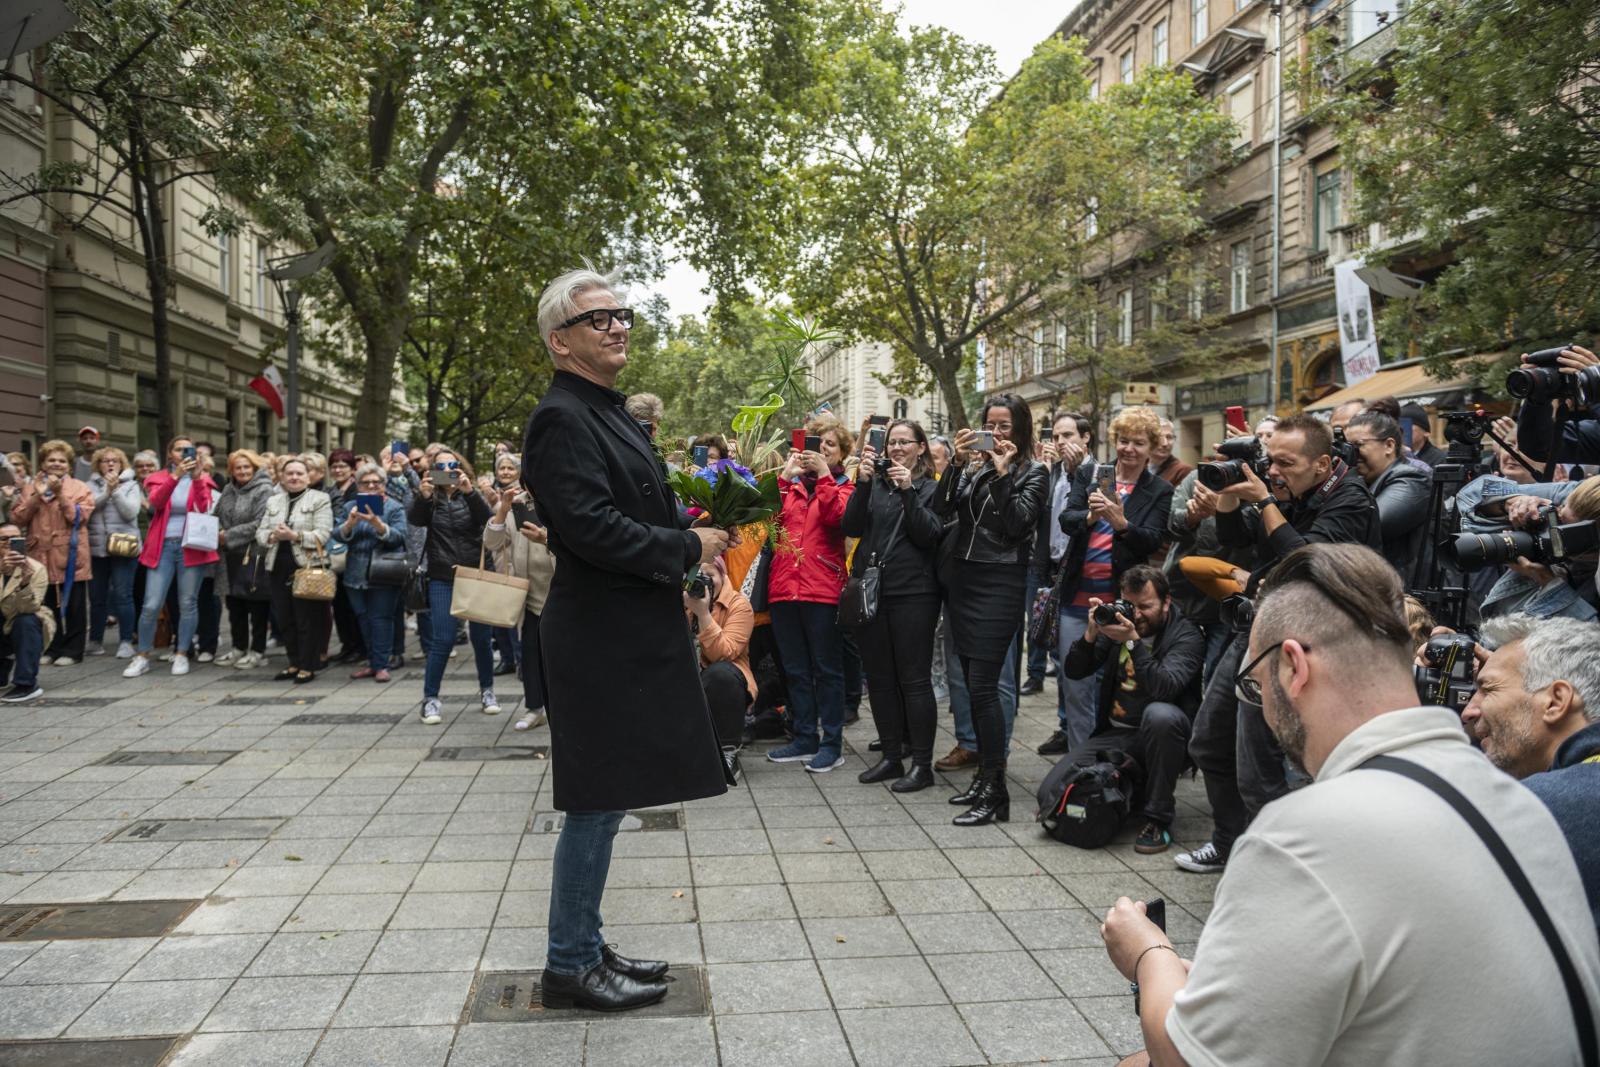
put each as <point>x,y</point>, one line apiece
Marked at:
<point>629,725</point>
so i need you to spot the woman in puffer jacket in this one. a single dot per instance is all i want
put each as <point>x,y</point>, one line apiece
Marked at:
<point>249,592</point>
<point>117,500</point>
<point>524,552</point>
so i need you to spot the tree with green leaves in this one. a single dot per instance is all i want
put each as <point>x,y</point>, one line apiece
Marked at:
<point>1478,139</point>
<point>940,208</point>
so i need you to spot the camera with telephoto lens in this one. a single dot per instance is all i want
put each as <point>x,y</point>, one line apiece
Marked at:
<point>1238,453</point>
<point>1106,614</point>
<point>1541,380</point>
<point>1451,676</point>
<point>1549,541</point>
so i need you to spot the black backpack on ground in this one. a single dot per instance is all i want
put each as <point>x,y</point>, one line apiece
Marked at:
<point>1084,798</point>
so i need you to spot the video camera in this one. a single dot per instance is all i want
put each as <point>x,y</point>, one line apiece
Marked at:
<point>1240,452</point>
<point>1550,541</point>
<point>1106,614</point>
<point>1466,429</point>
<point>1542,381</point>
<point>1451,676</point>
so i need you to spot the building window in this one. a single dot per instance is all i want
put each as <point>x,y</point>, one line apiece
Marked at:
<point>1038,348</point>
<point>1125,67</point>
<point>1094,85</point>
<point>1241,108</point>
<point>225,263</point>
<point>1197,298</point>
<point>1370,16</point>
<point>1091,329</point>
<point>263,283</point>
<point>1325,208</point>
<point>1125,317</point>
<point>1158,300</point>
<point>1158,43</point>
<point>1199,21</point>
<point>1239,276</point>
<point>1061,343</point>
<point>1091,222</point>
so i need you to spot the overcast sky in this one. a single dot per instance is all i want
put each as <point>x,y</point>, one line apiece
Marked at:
<point>1010,27</point>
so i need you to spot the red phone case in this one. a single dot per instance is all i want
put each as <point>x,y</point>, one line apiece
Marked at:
<point>797,440</point>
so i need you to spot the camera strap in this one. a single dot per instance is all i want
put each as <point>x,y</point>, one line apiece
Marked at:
<point>1577,999</point>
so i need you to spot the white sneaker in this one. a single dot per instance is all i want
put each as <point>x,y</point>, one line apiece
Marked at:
<point>180,664</point>
<point>529,720</point>
<point>125,650</point>
<point>246,661</point>
<point>96,648</point>
<point>225,658</point>
<point>272,643</point>
<point>136,666</point>
<point>45,661</point>
<point>166,657</point>
<point>430,711</point>
<point>65,661</point>
<point>491,706</point>
<point>206,657</point>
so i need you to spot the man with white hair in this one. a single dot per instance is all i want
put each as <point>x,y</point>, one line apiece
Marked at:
<point>629,725</point>
<point>1536,715</point>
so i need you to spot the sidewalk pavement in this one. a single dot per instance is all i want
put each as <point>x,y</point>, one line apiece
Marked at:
<point>343,899</point>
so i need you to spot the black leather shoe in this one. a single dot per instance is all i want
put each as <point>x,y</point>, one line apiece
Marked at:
<point>921,777</point>
<point>1054,745</point>
<point>643,970</point>
<point>993,803</point>
<point>970,796</point>
<point>598,989</point>
<point>1032,686</point>
<point>504,667</point>
<point>885,770</point>
<point>875,746</point>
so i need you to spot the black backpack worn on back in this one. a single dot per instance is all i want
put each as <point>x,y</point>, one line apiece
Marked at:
<point>1084,798</point>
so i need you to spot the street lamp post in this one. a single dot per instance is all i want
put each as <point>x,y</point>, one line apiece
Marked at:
<point>292,269</point>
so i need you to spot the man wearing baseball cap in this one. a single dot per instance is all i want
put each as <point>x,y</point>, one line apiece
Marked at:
<point>88,442</point>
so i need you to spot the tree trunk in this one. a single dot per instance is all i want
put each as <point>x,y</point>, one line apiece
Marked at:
<point>151,220</point>
<point>377,385</point>
<point>947,373</point>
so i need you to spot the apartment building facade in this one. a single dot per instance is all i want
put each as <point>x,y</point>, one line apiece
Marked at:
<point>847,381</point>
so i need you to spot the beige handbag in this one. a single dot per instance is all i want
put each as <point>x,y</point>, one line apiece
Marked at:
<point>125,545</point>
<point>487,596</point>
<point>316,582</point>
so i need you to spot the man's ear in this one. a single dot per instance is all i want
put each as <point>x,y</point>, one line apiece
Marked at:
<point>1561,700</point>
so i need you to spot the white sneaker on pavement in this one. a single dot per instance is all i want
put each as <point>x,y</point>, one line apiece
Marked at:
<point>136,666</point>
<point>166,657</point>
<point>180,664</point>
<point>65,661</point>
<point>529,720</point>
<point>491,706</point>
<point>225,658</point>
<point>125,650</point>
<point>206,657</point>
<point>95,648</point>
<point>430,711</point>
<point>246,661</point>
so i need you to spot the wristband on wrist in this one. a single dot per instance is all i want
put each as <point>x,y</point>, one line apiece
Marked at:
<point>1133,986</point>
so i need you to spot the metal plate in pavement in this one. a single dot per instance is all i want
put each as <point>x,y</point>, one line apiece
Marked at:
<point>73,702</point>
<point>165,758</point>
<point>343,719</point>
<point>488,753</point>
<point>263,701</point>
<point>513,997</point>
<point>77,922</point>
<point>197,830</point>
<point>549,822</point>
<point>123,1052</point>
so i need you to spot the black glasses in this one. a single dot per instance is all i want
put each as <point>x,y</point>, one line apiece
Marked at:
<point>600,319</point>
<point>1245,687</point>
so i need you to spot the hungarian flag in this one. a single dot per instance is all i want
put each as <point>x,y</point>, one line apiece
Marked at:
<point>269,383</point>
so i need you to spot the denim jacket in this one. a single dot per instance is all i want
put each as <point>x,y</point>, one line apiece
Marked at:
<point>364,540</point>
<point>1492,488</point>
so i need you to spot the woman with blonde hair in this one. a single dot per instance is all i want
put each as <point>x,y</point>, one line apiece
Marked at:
<point>117,501</point>
<point>55,509</point>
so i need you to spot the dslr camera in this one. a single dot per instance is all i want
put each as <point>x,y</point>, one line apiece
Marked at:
<point>1550,541</point>
<point>1451,676</point>
<point>1343,449</point>
<point>1239,453</point>
<point>1543,381</point>
<point>1106,614</point>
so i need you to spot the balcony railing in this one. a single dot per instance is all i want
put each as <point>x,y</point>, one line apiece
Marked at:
<point>1317,266</point>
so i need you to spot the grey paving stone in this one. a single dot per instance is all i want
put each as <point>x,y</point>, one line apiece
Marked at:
<point>927,1036</point>
<point>652,1043</point>
<point>819,816</point>
<point>81,961</point>
<point>368,878</point>
<point>431,999</point>
<point>387,850</point>
<point>733,903</point>
<point>1097,892</point>
<point>823,867</point>
<point>273,1048</point>
<point>172,885</point>
<point>414,1046</point>
<point>138,1009</point>
<point>1022,893</point>
<point>981,976</point>
<point>792,842</point>
<point>515,948</point>
<point>242,915</point>
<point>841,938</point>
<point>463,877</point>
<point>343,911</point>
<point>924,895</point>
<point>198,956</point>
<point>524,908</point>
<point>519,1045</point>
<point>432,911</point>
<point>1114,1020</point>
<point>882,982</point>
<point>1082,972</point>
<point>12,955</point>
<point>406,951</point>
<point>728,843</point>
<point>1057,928</point>
<point>74,886</point>
<point>287,880</point>
<point>1031,1031</point>
<point>458,847</point>
<point>751,988</point>
<point>787,1039</point>
<point>209,854</point>
<point>261,1003</point>
<point>832,899</point>
<point>973,931</point>
<point>753,942</point>
<point>28,1012</point>
<point>919,863</point>
<point>734,870</point>
<point>314,953</point>
<point>674,942</point>
<point>993,862</point>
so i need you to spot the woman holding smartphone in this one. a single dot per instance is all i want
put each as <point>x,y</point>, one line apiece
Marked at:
<point>449,505</point>
<point>240,511</point>
<point>294,531</point>
<point>117,502</point>
<point>370,522</point>
<point>994,493</point>
<point>173,494</point>
<point>891,512</point>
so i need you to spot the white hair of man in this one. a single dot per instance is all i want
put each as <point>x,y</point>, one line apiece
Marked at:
<point>1553,650</point>
<point>559,301</point>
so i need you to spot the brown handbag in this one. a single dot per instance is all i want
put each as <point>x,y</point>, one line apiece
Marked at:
<point>487,596</point>
<point>316,582</point>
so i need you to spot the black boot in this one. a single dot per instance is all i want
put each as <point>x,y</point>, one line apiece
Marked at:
<point>883,771</point>
<point>598,989</point>
<point>643,970</point>
<point>921,777</point>
<point>970,796</point>
<point>993,803</point>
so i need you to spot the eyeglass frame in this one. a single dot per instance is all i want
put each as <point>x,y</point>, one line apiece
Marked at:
<point>611,314</point>
<point>1245,687</point>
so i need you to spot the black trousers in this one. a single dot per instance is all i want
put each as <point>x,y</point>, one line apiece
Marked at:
<point>72,628</point>
<point>301,621</point>
<point>853,674</point>
<point>1158,746</point>
<point>532,665</point>
<point>897,655</point>
<point>728,697</point>
<point>346,624</point>
<point>988,719</point>
<point>247,620</point>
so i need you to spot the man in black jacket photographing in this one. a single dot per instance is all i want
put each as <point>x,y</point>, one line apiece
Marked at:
<point>1148,691</point>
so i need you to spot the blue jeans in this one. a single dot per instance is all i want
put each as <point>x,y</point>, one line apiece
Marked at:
<point>577,882</point>
<point>112,590</point>
<point>443,640</point>
<point>812,648</point>
<point>23,646</point>
<point>961,700</point>
<point>373,608</point>
<point>1077,708</point>
<point>155,594</point>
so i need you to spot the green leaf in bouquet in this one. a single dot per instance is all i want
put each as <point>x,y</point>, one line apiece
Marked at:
<point>752,417</point>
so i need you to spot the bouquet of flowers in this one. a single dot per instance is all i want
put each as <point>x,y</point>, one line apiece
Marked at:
<point>728,495</point>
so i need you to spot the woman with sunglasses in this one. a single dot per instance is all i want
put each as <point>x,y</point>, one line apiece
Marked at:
<point>454,513</point>
<point>367,530</point>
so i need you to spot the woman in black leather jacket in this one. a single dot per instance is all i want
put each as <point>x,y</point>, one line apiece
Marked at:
<point>454,514</point>
<point>891,513</point>
<point>995,498</point>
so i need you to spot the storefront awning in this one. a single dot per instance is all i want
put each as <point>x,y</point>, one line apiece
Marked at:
<point>1402,382</point>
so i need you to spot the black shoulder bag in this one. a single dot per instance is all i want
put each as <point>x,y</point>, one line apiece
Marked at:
<point>1577,1000</point>
<point>858,603</point>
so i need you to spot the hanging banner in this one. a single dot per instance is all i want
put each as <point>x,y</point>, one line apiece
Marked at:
<point>1358,336</point>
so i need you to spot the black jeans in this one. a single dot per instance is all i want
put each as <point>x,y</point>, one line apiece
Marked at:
<point>897,655</point>
<point>247,621</point>
<point>988,720</point>
<point>300,621</point>
<point>1214,748</point>
<point>728,697</point>
<point>853,674</point>
<point>346,624</point>
<point>1158,745</point>
<point>73,623</point>
<point>531,664</point>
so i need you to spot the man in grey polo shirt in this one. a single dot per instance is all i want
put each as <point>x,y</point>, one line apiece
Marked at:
<point>1362,920</point>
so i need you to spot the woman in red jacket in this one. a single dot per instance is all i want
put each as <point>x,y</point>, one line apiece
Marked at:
<point>805,579</point>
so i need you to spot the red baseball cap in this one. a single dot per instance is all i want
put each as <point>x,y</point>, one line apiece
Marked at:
<point>89,429</point>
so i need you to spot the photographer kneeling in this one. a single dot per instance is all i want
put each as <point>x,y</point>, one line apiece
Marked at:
<point>722,620</point>
<point>1149,692</point>
<point>1363,913</point>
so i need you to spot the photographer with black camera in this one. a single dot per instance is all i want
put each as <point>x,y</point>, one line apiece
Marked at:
<point>1556,376</point>
<point>721,619</point>
<point>1546,541</point>
<point>1400,491</point>
<point>1149,688</point>
<point>1315,498</point>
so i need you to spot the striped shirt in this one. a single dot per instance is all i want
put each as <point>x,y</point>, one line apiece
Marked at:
<point>1095,580</point>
